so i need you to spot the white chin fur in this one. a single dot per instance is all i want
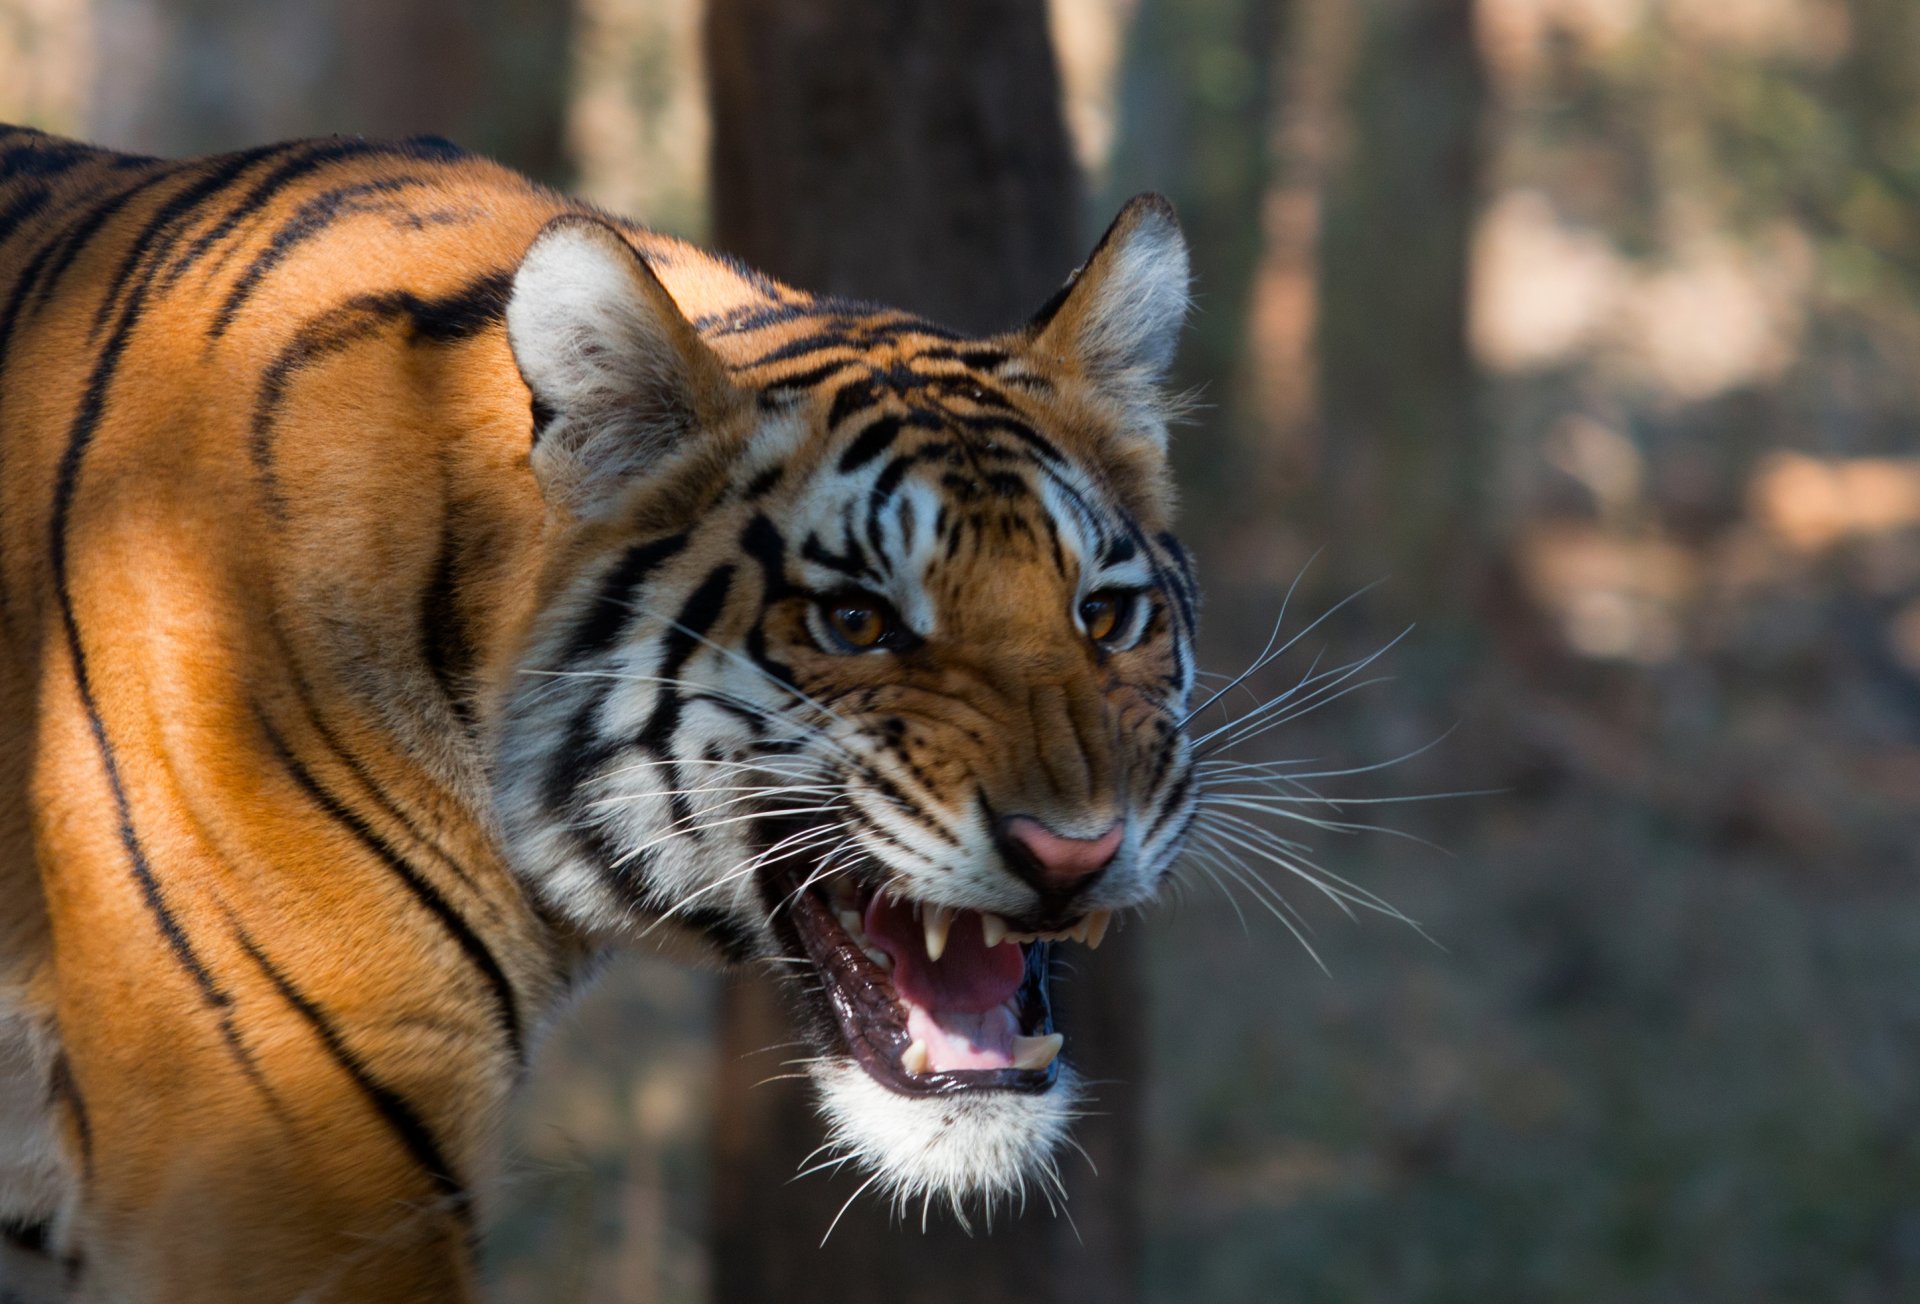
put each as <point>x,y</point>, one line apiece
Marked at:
<point>972,1153</point>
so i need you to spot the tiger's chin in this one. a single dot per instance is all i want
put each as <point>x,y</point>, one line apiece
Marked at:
<point>977,1150</point>
<point>942,1073</point>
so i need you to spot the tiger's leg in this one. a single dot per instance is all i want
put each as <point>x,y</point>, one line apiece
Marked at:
<point>285,1075</point>
<point>258,1161</point>
<point>235,1158</point>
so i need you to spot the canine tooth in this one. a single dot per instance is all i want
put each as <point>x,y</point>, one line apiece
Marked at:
<point>993,928</point>
<point>850,920</point>
<point>879,957</point>
<point>1032,1052</point>
<point>1097,928</point>
<point>937,923</point>
<point>915,1058</point>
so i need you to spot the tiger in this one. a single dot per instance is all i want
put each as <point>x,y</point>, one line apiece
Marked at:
<point>416,584</point>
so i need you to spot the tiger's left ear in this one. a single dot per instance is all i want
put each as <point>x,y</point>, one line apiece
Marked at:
<point>620,378</point>
<point>1118,318</point>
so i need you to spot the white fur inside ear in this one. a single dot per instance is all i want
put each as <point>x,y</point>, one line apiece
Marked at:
<point>606,355</point>
<point>1130,326</point>
<point>975,1155</point>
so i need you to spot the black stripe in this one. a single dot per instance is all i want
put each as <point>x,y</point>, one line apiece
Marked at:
<point>179,205</point>
<point>444,641</point>
<point>581,752</point>
<point>853,563</point>
<point>86,422</point>
<point>806,379</point>
<point>412,1132</point>
<point>42,160</point>
<point>611,610</point>
<point>313,219</point>
<point>1001,424</point>
<point>81,233</point>
<point>446,319</point>
<point>856,395</point>
<point>889,479</point>
<point>21,209</point>
<point>450,318</point>
<point>16,299</point>
<point>316,341</point>
<point>870,443</point>
<point>739,321</point>
<point>834,336</point>
<point>351,763</point>
<point>697,615</point>
<point>762,541</point>
<point>1170,805</point>
<point>291,173</point>
<point>763,483</point>
<point>477,952</point>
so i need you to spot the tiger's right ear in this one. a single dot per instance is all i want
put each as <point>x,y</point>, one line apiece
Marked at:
<point>1117,321</point>
<point>620,378</point>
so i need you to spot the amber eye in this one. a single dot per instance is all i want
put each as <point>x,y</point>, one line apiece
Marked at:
<point>856,623</point>
<point>1103,614</point>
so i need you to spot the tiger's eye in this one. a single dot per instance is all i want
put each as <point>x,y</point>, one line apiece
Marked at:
<point>857,624</point>
<point>1100,614</point>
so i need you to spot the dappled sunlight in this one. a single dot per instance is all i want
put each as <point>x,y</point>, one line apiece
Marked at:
<point>637,115</point>
<point>1088,42</point>
<point>1542,291</point>
<point>1713,316</point>
<point>1613,597</point>
<point>46,63</point>
<point>1813,503</point>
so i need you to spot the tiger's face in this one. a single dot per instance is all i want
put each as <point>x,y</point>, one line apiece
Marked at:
<point>864,651</point>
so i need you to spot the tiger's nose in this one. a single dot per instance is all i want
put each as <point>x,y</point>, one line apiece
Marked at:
<point>1053,863</point>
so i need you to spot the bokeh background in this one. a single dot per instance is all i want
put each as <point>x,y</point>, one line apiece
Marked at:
<point>1587,333</point>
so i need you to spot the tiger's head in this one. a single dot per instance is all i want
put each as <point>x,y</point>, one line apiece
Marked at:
<point>863,649</point>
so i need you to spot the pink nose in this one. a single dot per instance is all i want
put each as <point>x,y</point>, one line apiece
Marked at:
<point>1063,862</point>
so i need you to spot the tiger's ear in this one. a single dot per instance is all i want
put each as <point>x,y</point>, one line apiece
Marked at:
<point>1118,318</point>
<point>619,376</point>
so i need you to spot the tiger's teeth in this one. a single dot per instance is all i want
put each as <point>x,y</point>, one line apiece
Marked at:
<point>850,920</point>
<point>1031,1052</point>
<point>993,928</point>
<point>1097,928</point>
<point>915,1059</point>
<point>937,923</point>
<point>879,957</point>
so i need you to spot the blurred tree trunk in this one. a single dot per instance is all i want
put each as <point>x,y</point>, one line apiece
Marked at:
<point>911,152</point>
<point>189,76</point>
<point>1404,457</point>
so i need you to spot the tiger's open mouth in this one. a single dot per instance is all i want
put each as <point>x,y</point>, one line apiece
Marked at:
<point>930,1000</point>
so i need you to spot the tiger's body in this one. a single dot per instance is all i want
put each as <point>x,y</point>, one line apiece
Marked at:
<point>393,618</point>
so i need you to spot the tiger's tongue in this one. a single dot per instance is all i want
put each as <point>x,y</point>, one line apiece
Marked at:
<point>957,1005</point>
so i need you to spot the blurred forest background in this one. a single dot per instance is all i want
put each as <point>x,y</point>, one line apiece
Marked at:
<point>1590,331</point>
